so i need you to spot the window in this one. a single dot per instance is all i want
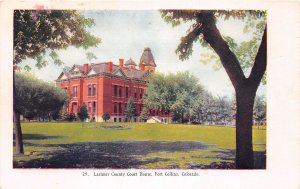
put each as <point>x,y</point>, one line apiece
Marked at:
<point>74,107</point>
<point>127,92</point>
<point>141,107</point>
<point>115,107</point>
<point>120,91</point>
<point>120,107</point>
<point>141,93</point>
<point>115,90</point>
<point>89,107</point>
<point>75,94</point>
<point>89,90</point>
<point>115,119</point>
<point>135,93</point>
<point>120,119</point>
<point>94,106</point>
<point>94,90</point>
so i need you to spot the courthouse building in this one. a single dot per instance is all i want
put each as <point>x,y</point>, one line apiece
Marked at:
<point>106,87</point>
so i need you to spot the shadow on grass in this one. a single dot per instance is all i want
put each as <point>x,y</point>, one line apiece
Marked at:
<point>39,137</point>
<point>119,154</point>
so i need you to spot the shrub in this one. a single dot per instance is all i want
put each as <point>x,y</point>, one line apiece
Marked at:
<point>71,117</point>
<point>106,116</point>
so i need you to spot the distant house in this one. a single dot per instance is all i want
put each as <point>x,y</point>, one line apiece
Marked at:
<point>105,87</point>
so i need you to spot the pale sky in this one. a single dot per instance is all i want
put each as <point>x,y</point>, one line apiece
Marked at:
<point>125,34</point>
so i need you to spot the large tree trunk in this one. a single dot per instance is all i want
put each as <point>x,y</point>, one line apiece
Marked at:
<point>18,133</point>
<point>245,88</point>
<point>244,151</point>
<point>17,123</point>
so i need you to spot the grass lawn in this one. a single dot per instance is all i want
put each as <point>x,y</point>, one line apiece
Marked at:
<point>131,145</point>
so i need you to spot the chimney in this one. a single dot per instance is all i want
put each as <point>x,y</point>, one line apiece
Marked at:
<point>110,66</point>
<point>85,68</point>
<point>121,62</point>
<point>142,66</point>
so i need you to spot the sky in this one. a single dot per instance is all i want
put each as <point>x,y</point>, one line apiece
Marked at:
<point>125,34</point>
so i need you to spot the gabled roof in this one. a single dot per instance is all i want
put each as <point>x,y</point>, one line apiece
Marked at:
<point>130,62</point>
<point>79,67</point>
<point>118,72</point>
<point>63,75</point>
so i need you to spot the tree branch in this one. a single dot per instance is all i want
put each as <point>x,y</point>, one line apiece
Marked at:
<point>260,62</point>
<point>228,59</point>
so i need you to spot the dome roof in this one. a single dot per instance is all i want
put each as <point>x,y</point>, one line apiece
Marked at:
<point>130,62</point>
<point>147,58</point>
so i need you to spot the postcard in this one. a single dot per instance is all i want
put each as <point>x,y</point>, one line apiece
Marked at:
<point>149,95</point>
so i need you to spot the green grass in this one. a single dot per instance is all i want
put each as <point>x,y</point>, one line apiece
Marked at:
<point>223,138</point>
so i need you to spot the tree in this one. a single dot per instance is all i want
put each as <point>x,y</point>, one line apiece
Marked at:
<point>144,116</point>
<point>130,111</point>
<point>160,92</point>
<point>223,110</point>
<point>34,97</point>
<point>173,93</point>
<point>90,56</point>
<point>106,116</point>
<point>205,30</point>
<point>29,115</point>
<point>70,117</point>
<point>259,113</point>
<point>37,32</point>
<point>82,112</point>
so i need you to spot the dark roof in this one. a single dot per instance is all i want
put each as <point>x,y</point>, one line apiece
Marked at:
<point>100,68</point>
<point>134,73</point>
<point>80,67</point>
<point>130,62</point>
<point>147,58</point>
<point>63,73</point>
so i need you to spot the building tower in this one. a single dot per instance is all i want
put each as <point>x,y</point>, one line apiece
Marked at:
<point>130,64</point>
<point>147,61</point>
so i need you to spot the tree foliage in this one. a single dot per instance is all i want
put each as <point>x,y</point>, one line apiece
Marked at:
<point>130,110</point>
<point>90,56</point>
<point>106,116</point>
<point>245,51</point>
<point>234,58</point>
<point>37,31</point>
<point>187,100</point>
<point>37,97</point>
<point>145,114</point>
<point>260,110</point>
<point>175,93</point>
<point>82,112</point>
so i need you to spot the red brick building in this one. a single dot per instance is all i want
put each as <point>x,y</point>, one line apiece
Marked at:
<point>106,87</point>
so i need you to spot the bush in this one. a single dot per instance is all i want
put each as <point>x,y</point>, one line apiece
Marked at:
<point>82,112</point>
<point>106,116</point>
<point>71,117</point>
